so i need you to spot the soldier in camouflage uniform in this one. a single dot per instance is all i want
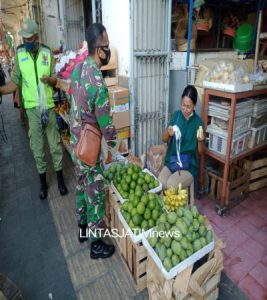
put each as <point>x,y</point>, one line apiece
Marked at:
<point>90,103</point>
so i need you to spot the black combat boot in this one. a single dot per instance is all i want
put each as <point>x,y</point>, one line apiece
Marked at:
<point>43,186</point>
<point>99,249</point>
<point>82,236</point>
<point>61,184</point>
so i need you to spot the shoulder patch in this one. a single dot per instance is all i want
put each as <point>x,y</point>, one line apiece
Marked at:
<point>21,48</point>
<point>45,48</point>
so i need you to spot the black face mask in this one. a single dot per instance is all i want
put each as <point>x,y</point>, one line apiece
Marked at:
<point>105,61</point>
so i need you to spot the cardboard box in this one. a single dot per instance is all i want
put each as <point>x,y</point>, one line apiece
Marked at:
<point>124,133</point>
<point>126,142</point>
<point>118,98</point>
<point>121,119</point>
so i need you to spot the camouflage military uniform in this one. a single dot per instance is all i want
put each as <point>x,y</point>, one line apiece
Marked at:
<point>90,104</point>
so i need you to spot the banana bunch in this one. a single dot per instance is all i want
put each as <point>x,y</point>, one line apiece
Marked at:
<point>172,200</point>
<point>200,134</point>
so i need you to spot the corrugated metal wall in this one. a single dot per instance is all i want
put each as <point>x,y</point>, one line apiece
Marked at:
<point>149,79</point>
<point>74,23</point>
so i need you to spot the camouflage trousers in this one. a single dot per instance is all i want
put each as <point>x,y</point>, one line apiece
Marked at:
<point>90,198</point>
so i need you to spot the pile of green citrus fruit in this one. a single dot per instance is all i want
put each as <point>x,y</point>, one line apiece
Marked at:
<point>142,212</point>
<point>130,179</point>
<point>178,235</point>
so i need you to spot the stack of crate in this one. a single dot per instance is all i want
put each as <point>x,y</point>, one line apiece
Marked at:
<point>118,99</point>
<point>258,123</point>
<point>219,111</point>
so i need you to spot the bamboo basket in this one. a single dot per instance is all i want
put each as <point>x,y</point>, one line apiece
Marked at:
<point>183,46</point>
<point>182,41</point>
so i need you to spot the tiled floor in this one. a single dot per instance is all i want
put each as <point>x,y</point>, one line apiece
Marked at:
<point>244,228</point>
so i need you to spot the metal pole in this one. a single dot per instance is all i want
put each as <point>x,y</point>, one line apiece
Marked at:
<point>94,11</point>
<point>132,85</point>
<point>257,42</point>
<point>189,32</point>
<point>167,75</point>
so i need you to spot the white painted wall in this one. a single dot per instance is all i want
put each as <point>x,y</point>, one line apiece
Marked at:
<point>116,19</point>
<point>52,33</point>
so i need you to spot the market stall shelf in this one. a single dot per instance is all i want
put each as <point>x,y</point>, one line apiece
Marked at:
<point>228,156</point>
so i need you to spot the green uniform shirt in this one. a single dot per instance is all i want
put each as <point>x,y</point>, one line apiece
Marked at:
<point>189,143</point>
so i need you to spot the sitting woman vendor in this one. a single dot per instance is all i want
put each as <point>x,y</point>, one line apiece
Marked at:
<point>185,139</point>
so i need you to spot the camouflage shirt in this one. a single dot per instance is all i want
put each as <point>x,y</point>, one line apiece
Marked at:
<point>90,104</point>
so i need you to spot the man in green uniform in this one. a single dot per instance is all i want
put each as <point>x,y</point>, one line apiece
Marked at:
<point>33,63</point>
<point>90,104</point>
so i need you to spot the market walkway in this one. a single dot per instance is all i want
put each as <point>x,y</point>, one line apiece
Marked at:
<point>38,242</point>
<point>30,252</point>
<point>39,245</point>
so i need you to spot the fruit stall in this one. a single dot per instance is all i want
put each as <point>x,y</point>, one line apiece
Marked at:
<point>161,235</point>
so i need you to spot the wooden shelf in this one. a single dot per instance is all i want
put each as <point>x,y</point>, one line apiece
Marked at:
<point>221,158</point>
<point>238,96</point>
<point>226,159</point>
<point>250,151</point>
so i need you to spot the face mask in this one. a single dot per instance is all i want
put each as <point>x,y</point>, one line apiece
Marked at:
<point>105,61</point>
<point>29,46</point>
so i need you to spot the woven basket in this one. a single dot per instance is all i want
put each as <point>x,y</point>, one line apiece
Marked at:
<point>183,46</point>
<point>181,28</point>
<point>229,32</point>
<point>203,24</point>
<point>180,37</point>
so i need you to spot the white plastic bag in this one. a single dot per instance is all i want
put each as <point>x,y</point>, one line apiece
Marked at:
<point>42,103</point>
<point>42,99</point>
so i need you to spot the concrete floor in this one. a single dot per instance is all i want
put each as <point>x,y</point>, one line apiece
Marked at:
<point>39,251</point>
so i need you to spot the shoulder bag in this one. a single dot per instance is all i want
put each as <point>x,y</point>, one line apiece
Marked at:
<point>89,144</point>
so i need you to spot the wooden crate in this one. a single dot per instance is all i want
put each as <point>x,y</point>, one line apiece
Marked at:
<point>178,288</point>
<point>134,255</point>
<point>237,184</point>
<point>257,169</point>
<point>107,215</point>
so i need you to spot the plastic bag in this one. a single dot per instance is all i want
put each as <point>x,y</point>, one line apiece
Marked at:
<point>228,73</point>
<point>156,157</point>
<point>42,103</point>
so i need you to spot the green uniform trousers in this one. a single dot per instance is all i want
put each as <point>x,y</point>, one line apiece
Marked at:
<point>90,198</point>
<point>37,139</point>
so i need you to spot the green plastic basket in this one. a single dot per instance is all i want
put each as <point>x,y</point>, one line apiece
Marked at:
<point>243,38</point>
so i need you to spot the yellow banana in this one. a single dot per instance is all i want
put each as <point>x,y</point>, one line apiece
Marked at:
<point>200,132</point>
